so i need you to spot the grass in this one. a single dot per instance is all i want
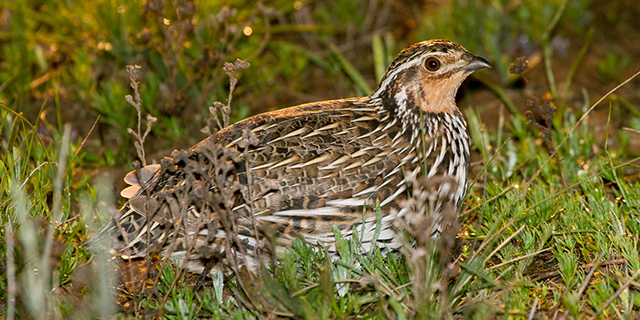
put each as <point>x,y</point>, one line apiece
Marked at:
<point>549,228</point>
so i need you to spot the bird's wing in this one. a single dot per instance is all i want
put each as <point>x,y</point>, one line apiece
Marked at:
<point>313,170</point>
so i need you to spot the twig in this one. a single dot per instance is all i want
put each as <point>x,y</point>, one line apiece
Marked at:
<point>11,272</point>
<point>56,212</point>
<point>503,243</point>
<point>566,137</point>
<point>477,273</point>
<point>632,130</point>
<point>133,78</point>
<point>580,290</point>
<point>489,239</point>
<point>483,172</point>
<point>554,273</point>
<point>547,110</point>
<point>503,192</point>
<point>230,69</point>
<point>596,263</point>
<point>249,139</point>
<point>34,171</point>
<point>618,292</point>
<point>85,139</point>
<point>178,274</point>
<point>532,313</point>
<point>519,258</point>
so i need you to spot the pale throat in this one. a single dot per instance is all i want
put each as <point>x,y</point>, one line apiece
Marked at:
<point>439,95</point>
<point>431,95</point>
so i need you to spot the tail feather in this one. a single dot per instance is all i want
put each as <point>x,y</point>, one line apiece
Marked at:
<point>134,178</point>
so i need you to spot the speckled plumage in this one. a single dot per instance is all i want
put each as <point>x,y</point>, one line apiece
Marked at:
<point>318,166</point>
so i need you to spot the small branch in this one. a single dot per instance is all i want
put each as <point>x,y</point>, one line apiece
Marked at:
<point>11,272</point>
<point>596,263</point>
<point>630,129</point>
<point>547,110</point>
<point>532,313</point>
<point>618,292</point>
<point>137,103</point>
<point>85,139</point>
<point>554,273</point>
<point>566,137</point>
<point>230,69</point>
<point>519,258</point>
<point>503,243</point>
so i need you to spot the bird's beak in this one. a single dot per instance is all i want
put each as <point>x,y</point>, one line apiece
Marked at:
<point>475,63</point>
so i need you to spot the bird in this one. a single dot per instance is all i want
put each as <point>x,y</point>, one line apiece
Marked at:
<point>306,171</point>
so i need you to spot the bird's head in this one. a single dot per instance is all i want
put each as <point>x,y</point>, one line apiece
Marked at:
<point>427,75</point>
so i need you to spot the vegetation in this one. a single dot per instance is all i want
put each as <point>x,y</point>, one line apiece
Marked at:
<point>549,229</point>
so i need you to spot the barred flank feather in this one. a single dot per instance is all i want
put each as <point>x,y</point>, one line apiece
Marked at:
<point>309,168</point>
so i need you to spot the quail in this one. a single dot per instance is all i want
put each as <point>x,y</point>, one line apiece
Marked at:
<point>308,170</point>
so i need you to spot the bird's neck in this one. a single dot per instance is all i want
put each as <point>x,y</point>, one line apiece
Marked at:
<point>438,96</point>
<point>409,103</point>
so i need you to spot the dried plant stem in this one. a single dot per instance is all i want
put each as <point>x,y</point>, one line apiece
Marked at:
<point>503,243</point>
<point>489,239</point>
<point>554,273</point>
<point>225,110</point>
<point>11,272</point>
<point>254,220</point>
<point>596,264</point>
<point>519,258</point>
<point>566,137</point>
<point>617,293</point>
<point>85,139</point>
<point>137,103</point>
<point>181,268</point>
<point>56,213</point>
<point>532,313</point>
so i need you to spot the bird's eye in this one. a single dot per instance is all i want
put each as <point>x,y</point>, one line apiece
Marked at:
<point>432,64</point>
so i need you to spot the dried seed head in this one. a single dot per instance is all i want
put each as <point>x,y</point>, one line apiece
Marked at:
<point>519,66</point>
